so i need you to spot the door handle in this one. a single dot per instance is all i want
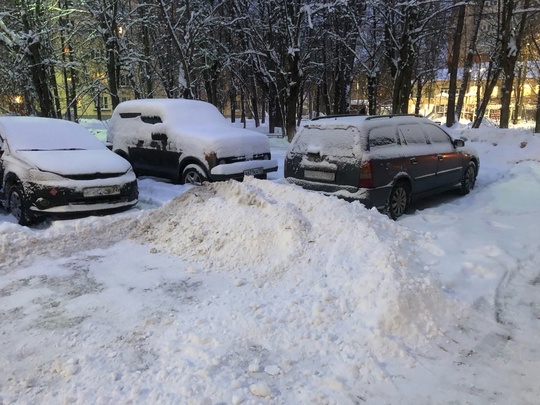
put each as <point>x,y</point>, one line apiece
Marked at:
<point>440,157</point>
<point>414,161</point>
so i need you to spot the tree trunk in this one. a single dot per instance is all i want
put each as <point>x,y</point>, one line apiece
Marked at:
<point>519,94</point>
<point>232,101</point>
<point>453,68</point>
<point>510,56</point>
<point>372,93</point>
<point>255,102</point>
<point>242,107</point>
<point>537,115</point>
<point>271,114</point>
<point>419,88</point>
<point>491,82</point>
<point>470,58</point>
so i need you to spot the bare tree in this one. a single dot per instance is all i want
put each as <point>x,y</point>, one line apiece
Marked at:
<point>478,12</point>
<point>25,30</point>
<point>453,65</point>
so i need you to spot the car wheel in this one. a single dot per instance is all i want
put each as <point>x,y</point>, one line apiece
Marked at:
<point>469,179</point>
<point>398,200</point>
<point>194,175</point>
<point>17,205</point>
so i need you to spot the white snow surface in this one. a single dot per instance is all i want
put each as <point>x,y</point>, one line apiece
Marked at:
<point>263,293</point>
<point>34,133</point>
<point>74,162</point>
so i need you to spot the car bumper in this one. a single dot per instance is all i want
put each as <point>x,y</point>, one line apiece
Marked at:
<point>240,169</point>
<point>47,199</point>
<point>370,197</point>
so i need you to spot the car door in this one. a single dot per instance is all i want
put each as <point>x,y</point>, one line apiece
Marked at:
<point>149,151</point>
<point>387,155</point>
<point>422,159</point>
<point>449,160</point>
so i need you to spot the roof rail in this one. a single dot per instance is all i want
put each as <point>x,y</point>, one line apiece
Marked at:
<point>322,117</point>
<point>368,117</point>
<point>372,117</point>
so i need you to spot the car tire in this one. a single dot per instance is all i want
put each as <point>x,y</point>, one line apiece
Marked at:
<point>398,200</point>
<point>194,175</point>
<point>17,205</point>
<point>469,179</point>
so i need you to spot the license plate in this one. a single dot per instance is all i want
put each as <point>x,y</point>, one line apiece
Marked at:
<point>101,191</point>
<point>254,172</point>
<point>317,175</point>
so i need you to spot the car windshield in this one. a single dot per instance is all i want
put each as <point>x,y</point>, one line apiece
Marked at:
<point>40,134</point>
<point>338,140</point>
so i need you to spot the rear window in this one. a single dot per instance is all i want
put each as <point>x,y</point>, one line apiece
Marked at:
<point>339,140</point>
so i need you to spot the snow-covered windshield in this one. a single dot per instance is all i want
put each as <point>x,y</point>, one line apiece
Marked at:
<point>33,133</point>
<point>335,140</point>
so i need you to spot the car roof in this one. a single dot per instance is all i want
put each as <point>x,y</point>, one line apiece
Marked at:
<point>368,120</point>
<point>177,109</point>
<point>46,133</point>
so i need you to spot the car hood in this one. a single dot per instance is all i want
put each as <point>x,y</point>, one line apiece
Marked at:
<point>224,140</point>
<point>75,162</point>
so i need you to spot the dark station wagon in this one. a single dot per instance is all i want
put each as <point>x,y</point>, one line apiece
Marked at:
<point>383,161</point>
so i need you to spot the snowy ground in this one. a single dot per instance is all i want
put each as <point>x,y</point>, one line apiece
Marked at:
<point>262,293</point>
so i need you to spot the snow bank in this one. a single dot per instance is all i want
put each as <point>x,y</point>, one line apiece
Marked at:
<point>358,268</point>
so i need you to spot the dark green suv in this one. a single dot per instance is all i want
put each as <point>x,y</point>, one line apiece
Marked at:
<point>383,161</point>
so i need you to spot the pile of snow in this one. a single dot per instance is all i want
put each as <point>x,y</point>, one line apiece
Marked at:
<point>357,268</point>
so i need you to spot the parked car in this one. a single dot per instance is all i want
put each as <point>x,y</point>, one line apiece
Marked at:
<point>382,161</point>
<point>54,167</point>
<point>187,141</point>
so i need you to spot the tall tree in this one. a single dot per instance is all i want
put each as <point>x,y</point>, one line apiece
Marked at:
<point>478,14</point>
<point>515,20</point>
<point>108,15</point>
<point>25,30</point>
<point>406,23</point>
<point>454,64</point>
<point>510,27</point>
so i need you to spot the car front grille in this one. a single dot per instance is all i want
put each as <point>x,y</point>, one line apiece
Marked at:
<point>234,159</point>
<point>93,176</point>
<point>99,200</point>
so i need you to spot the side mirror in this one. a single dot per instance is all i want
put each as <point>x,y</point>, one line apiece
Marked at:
<point>459,143</point>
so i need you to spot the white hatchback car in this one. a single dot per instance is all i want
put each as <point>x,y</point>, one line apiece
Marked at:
<point>54,167</point>
<point>186,141</point>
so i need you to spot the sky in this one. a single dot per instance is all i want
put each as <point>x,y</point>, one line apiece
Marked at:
<point>263,293</point>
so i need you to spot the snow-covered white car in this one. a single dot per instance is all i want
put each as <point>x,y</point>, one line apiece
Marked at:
<point>187,141</point>
<point>54,167</point>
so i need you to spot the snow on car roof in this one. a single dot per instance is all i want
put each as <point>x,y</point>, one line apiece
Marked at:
<point>174,110</point>
<point>37,133</point>
<point>367,120</point>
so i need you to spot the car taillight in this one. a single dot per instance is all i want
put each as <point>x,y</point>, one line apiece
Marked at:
<point>366,175</point>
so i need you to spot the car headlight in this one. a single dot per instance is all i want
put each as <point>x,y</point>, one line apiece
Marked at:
<point>38,175</point>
